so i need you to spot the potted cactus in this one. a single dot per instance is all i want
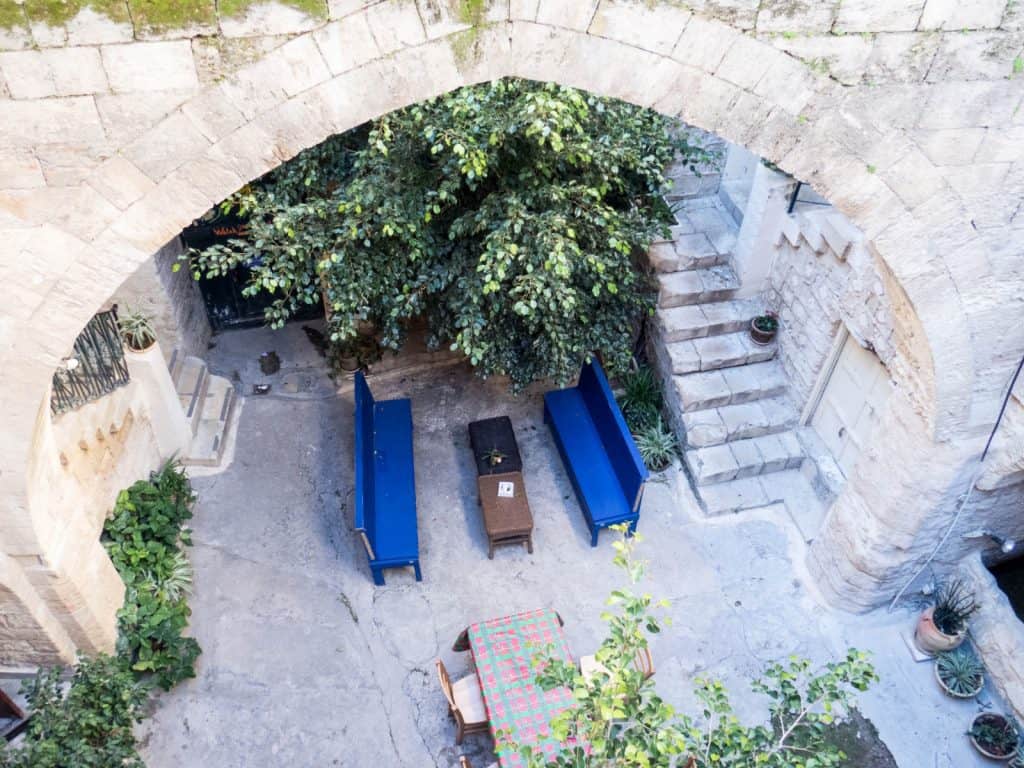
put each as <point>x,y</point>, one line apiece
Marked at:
<point>763,328</point>
<point>136,330</point>
<point>942,626</point>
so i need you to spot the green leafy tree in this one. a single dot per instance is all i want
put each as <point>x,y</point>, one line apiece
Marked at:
<point>88,725</point>
<point>510,215</point>
<point>623,722</point>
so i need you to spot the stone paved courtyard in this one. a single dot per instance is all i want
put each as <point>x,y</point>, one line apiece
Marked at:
<point>306,663</point>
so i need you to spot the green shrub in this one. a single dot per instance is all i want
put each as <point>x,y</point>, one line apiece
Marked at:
<point>89,725</point>
<point>641,400</point>
<point>145,536</point>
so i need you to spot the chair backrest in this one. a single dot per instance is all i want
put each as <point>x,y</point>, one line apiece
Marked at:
<point>446,686</point>
<point>365,522</point>
<point>644,663</point>
<point>615,436</point>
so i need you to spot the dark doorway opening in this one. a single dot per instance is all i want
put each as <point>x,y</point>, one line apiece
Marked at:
<point>227,306</point>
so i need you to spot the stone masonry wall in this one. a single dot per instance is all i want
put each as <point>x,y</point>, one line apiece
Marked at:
<point>119,125</point>
<point>823,277</point>
<point>172,299</point>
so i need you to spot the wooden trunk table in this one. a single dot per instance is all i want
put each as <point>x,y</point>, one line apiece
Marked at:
<point>502,491</point>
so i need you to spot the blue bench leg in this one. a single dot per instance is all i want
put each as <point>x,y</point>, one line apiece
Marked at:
<point>632,528</point>
<point>593,535</point>
<point>378,576</point>
<point>416,567</point>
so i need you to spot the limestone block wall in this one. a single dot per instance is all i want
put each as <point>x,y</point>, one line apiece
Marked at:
<point>171,298</point>
<point>118,126</point>
<point>824,276</point>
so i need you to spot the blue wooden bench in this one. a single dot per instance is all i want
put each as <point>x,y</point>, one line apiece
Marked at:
<point>598,451</point>
<point>385,483</point>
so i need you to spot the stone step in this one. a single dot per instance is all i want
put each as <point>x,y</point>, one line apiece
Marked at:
<point>783,492</point>
<point>686,251</point>
<point>715,352</point>
<point>715,426</point>
<point>191,385</point>
<point>696,286</point>
<point>729,386</point>
<point>693,321</point>
<point>207,447</point>
<point>744,458</point>
<point>709,216</point>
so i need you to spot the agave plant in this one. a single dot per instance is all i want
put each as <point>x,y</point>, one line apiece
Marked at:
<point>657,445</point>
<point>136,329</point>
<point>176,581</point>
<point>960,672</point>
<point>954,605</point>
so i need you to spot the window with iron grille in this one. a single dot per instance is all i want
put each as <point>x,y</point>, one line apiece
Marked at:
<point>95,367</point>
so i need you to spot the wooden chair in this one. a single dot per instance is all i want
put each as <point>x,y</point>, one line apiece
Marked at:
<point>589,665</point>
<point>465,703</point>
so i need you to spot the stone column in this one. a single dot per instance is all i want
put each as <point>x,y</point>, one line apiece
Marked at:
<point>171,429</point>
<point>755,251</point>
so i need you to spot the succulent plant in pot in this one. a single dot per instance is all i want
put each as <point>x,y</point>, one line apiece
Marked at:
<point>943,625</point>
<point>960,673</point>
<point>995,736</point>
<point>764,327</point>
<point>136,330</point>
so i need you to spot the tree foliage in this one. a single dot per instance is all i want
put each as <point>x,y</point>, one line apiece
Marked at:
<point>510,215</point>
<point>621,722</point>
<point>88,724</point>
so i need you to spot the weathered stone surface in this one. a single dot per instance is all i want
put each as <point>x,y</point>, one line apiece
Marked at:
<point>843,58</point>
<point>346,44</point>
<point>955,146</point>
<point>20,170</point>
<point>24,123</point>
<point>962,14</point>
<point>976,56</point>
<point>872,16</point>
<point>269,18</point>
<point>653,27</point>
<point>785,16</point>
<point>91,28</point>
<point>904,57</point>
<point>121,182</point>
<point>162,66</point>
<point>220,57</point>
<point>395,26</point>
<point>340,8</point>
<point>26,75</point>
<point>127,116</point>
<point>573,14</point>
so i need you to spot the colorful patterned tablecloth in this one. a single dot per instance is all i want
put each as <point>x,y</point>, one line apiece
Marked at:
<point>519,710</point>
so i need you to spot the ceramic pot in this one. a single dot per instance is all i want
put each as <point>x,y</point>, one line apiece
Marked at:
<point>930,639</point>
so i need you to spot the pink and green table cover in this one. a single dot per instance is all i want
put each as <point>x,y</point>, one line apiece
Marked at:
<point>518,708</point>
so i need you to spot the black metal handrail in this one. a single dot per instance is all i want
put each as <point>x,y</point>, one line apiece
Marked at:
<point>96,366</point>
<point>795,198</point>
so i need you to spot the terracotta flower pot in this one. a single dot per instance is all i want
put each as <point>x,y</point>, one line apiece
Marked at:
<point>998,721</point>
<point>759,336</point>
<point>930,639</point>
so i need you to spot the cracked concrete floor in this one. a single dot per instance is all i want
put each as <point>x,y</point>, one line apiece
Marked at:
<point>306,663</point>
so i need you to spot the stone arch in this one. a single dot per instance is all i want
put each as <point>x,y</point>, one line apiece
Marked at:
<point>328,80</point>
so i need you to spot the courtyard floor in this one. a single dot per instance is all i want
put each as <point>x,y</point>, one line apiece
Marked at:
<point>306,663</point>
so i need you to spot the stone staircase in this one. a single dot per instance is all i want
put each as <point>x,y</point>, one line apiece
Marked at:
<point>728,397</point>
<point>209,404</point>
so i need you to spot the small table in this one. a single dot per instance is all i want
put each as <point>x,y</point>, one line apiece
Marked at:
<point>517,708</point>
<point>501,488</point>
<point>507,518</point>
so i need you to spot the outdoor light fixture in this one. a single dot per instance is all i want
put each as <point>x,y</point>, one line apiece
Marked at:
<point>1006,546</point>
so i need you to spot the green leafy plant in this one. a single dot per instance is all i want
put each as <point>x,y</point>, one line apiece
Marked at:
<point>960,671</point>
<point>136,329</point>
<point>512,216</point>
<point>994,733</point>
<point>144,537</point>
<point>656,444</point>
<point>494,457</point>
<point>86,723</point>
<point>624,723</point>
<point>641,400</point>
<point>767,323</point>
<point>954,605</point>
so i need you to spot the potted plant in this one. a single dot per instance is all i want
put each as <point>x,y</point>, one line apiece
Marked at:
<point>943,625</point>
<point>960,673</point>
<point>136,330</point>
<point>764,327</point>
<point>994,736</point>
<point>494,457</point>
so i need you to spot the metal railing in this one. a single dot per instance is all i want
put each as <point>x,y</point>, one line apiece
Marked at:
<point>95,367</point>
<point>810,198</point>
